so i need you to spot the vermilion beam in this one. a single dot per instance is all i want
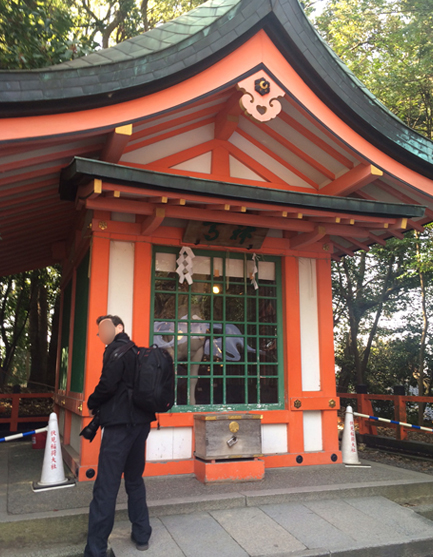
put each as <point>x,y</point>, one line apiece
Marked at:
<point>303,240</point>
<point>116,142</point>
<point>353,180</point>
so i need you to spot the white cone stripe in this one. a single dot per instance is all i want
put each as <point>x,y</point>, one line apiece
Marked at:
<point>52,469</point>
<point>348,445</point>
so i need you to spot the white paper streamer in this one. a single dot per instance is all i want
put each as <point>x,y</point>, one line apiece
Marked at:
<point>184,262</point>
<point>254,272</point>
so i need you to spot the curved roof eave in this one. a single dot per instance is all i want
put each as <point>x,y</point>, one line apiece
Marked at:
<point>197,39</point>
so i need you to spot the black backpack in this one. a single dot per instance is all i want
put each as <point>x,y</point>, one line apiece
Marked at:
<point>153,387</point>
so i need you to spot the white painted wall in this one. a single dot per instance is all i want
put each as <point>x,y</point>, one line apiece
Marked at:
<point>121,282</point>
<point>240,170</point>
<point>274,438</point>
<point>313,441</point>
<point>170,146</point>
<point>169,443</point>
<point>267,161</point>
<point>201,163</point>
<point>310,360</point>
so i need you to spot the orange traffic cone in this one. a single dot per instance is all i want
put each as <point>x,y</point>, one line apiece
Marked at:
<point>53,474</point>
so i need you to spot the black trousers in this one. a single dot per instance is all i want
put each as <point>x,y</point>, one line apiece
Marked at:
<point>122,451</point>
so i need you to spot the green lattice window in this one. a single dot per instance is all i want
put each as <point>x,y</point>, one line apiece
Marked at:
<point>80,325</point>
<point>223,334</point>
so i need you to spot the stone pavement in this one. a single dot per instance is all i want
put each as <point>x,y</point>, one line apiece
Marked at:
<point>364,526</point>
<point>318,510</point>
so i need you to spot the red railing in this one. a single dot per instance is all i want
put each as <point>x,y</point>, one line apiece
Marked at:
<point>14,418</point>
<point>364,406</point>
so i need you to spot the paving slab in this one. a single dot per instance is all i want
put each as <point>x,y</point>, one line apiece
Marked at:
<point>257,532</point>
<point>161,543</point>
<point>359,527</point>
<point>199,534</point>
<point>165,494</point>
<point>309,528</point>
<point>403,520</point>
<point>305,511</point>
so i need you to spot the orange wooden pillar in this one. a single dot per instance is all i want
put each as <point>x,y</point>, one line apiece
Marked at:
<point>292,351</point>
<point>142,293</point>
<point>327,360</point>
<point>98,295</point>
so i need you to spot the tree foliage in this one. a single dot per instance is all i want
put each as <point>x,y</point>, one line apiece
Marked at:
<point>39,33</point>
<point>388,45</point>
<point>382,313</point>
<point>28,327</point>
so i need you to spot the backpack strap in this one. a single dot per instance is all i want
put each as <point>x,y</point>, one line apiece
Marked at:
<point>118,353</point>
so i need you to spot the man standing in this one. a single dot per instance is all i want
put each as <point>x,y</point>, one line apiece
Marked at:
<point>122,448</point>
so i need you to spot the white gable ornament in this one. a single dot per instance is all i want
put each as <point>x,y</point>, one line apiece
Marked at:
<point>260,97</point>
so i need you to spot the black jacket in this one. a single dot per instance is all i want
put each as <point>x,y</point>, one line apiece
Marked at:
<point>111,395</point>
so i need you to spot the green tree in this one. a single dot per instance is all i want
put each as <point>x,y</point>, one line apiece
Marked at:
<point>15,293</point>
<point>40,33</point>
<point>29,316</point>
<point>388,45</point>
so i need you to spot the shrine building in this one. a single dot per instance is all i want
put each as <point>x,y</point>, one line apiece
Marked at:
<point>198,180</point>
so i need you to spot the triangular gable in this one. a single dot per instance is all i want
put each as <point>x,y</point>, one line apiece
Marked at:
<point>191,117</point>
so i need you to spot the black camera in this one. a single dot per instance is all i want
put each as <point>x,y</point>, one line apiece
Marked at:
<point>90,430</point>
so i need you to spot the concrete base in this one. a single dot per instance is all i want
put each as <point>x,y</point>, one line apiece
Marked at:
<point>242,470</point>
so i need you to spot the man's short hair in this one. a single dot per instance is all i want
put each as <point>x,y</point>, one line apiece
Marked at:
<point>115,319</point>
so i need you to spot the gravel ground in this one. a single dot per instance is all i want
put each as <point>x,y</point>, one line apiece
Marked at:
<point>417,464</point>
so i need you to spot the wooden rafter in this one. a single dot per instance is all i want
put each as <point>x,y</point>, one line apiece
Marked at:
<point>255,166</point>
<point>308,238</point>
<point>50,157</point>
<point>377,239</point>
<point>167,135</point>
<point>345,250</point>
<point>173,122</point>
<point>189,213</point>
<point>220,165</point>
<point>296,150</point>
<point>315,139</point>
<point>276,157</point>
<point>30,174</point>
<point>116,142</point>
<point>152,222</point>
<point>227,119</point>
<point>312,119</point>
<point>233,180</point>
<point>358,244</point>
<point>18,191</point>
<point>402,197</point>
<point>352,180</point>
<point>181,156</point>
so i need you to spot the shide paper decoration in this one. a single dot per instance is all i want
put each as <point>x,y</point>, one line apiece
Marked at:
<point>184,262</point>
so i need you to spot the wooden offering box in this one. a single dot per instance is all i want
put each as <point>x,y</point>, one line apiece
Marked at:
<point>227,435</point>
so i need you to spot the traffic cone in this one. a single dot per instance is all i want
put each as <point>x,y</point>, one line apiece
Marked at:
<point>53,474</point>
<point>348,444</point>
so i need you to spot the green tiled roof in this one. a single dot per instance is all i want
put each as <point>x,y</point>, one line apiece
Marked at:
<point>81,170</point>
<point>187,45</point>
